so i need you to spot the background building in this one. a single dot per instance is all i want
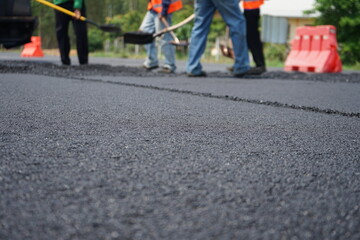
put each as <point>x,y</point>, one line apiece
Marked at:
<point>280,18</point>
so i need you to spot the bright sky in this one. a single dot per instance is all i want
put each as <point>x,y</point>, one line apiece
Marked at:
<point>286,7</point>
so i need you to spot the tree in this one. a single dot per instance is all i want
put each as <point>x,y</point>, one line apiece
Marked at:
<point>97,10</point>
<point>46,25</point>
<point>127,14</point>
<point>345,15</point>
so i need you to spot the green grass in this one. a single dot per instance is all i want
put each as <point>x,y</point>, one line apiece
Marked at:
<point>355,67</point>
<point>117,55</point>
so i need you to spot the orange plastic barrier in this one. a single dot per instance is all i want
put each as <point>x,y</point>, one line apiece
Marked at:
<point>33,49</point>
<point>314,49</point>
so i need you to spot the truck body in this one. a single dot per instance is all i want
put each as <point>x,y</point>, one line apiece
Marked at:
<point>16,22</point>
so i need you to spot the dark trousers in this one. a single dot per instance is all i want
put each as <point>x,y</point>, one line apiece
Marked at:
<point>62,26</point>
<point>253,36</point>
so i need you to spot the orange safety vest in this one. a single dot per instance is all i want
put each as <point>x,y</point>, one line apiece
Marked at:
<point>156,5</point>
<point>252,4</point>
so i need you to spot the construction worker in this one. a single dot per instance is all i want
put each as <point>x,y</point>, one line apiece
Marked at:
<point>252,17</point>
<point>230,11</point>
<point>62,26</point>
<point>159,14</point>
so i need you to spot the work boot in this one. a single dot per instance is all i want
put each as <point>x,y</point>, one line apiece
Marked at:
<point>256,70</point>
<point>201,74</point>
<point>150,68</point>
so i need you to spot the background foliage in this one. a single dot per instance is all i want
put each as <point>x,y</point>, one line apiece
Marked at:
<point>125,14</point>
<point>128,14</point>
<point>100,11</point>
<point>345,15</point>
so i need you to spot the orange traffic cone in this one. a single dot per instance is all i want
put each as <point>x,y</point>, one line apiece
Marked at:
<point>33,49</point>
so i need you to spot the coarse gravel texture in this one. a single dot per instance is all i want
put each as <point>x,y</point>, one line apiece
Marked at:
<point>94,160</point>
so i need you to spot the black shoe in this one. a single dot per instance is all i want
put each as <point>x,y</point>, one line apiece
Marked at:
<point>239,75</point>
<point>151,68</point>
<point>256,71</point>
<point>201,74</point>
<point>66,62</point>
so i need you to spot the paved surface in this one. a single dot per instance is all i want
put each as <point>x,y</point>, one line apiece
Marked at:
<point>101,60</point>
<point>106,156</point>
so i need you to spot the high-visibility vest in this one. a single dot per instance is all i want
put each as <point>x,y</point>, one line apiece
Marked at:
<point>156,5</point>
<point>252,4</point>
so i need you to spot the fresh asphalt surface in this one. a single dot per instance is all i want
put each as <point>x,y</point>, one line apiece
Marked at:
<point>169,157</point>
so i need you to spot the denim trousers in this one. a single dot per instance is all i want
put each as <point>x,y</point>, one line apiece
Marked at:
<point>151,24</point>
<point>233,17</point>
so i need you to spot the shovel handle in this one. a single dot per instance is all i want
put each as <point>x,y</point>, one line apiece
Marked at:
<point>176,40</point>
<point>173,27</point>
<point>63,10</point>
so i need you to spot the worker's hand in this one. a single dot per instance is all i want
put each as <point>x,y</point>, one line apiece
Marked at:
<point>77,14</point>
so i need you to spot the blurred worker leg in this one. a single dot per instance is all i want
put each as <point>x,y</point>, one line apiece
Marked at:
<point>204,11</point>
<point>62,25</point>
<point>230,11</point>
<point>253,36</point>
<point>167,49</point>
<point>148,25</point>
<point>80,28</point>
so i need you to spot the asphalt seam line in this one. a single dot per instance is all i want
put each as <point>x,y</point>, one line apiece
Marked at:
<point>230,98</point>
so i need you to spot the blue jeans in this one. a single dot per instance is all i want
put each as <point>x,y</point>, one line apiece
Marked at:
<point>233,17</point>
<point>152,24</point>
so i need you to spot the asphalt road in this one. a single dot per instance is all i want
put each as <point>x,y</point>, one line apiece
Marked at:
<point>148,156</point>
